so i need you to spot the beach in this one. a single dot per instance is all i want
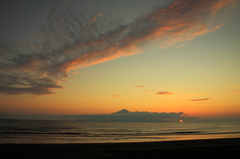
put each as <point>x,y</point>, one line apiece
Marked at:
<point>227,147</point>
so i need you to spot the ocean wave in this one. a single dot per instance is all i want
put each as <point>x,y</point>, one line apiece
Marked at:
<point>86,134</point>
<point>45,133</point>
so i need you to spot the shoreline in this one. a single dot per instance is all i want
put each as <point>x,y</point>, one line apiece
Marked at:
<point>224,147</point>
<point>6,139</point>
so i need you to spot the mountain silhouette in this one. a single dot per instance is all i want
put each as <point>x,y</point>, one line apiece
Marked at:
<point>123,111</point>
<point>120,116</point>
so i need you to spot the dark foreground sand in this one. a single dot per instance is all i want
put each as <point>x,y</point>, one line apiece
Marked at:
<point>210,148</point>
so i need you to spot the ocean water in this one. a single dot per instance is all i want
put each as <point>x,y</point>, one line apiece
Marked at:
<point>36,131</point>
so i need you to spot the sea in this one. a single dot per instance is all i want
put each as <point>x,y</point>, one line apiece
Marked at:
<point>42,131</point>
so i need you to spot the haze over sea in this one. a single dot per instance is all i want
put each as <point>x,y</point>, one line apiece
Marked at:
<point>42,131</point>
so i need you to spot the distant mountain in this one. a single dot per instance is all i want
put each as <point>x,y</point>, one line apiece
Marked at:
<point>121,116</point>
<point>126,112</point>
<point>123,111</point>
<point>126,116</point>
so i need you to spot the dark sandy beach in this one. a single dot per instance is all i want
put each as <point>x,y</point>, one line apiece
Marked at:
<point>207,148</point>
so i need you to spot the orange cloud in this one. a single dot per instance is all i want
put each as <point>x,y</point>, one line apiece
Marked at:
<point>221,4</point>
<point>116,96</point>
<point>95,17</point>
<point>180,25</point>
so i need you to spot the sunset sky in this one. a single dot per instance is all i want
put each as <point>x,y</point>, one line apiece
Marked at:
<point>66,57</point>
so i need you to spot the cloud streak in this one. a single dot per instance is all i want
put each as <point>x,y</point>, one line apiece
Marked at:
<point>140,86</point>
<point>72,39</point>
<point>196,100</point>
<point>164,93</point>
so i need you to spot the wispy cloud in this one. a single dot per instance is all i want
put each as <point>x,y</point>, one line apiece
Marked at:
<point>196,100</point>
<point>116,96</point>
<point>140,86</point>
<point>95,17</point>
<point>71,39</point>
<point>164,93</point>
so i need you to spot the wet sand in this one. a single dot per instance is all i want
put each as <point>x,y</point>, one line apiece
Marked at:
<point>207,148</point>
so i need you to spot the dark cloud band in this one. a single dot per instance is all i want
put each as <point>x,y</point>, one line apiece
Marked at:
<point>71,39</point>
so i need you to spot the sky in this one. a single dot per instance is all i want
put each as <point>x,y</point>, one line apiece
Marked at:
<point>69,57</point>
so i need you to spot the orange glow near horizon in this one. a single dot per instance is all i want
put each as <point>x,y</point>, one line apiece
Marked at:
<point>83,105</point>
